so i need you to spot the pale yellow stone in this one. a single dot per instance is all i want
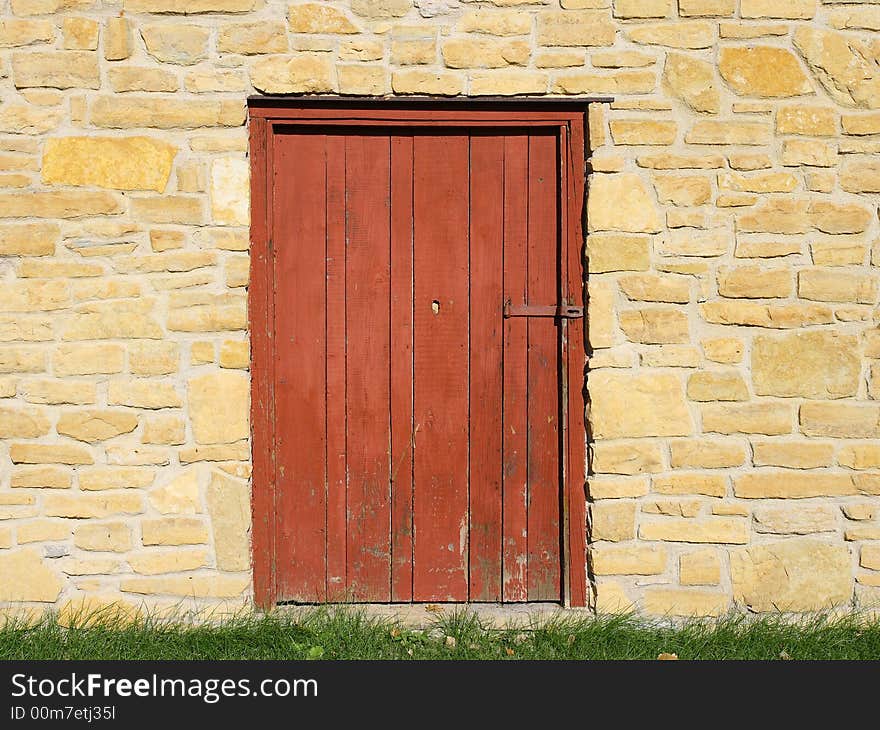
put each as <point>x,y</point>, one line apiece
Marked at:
<point>670,356</point>
<point>40,478</point>
<point>721,530</point>
<point>622,82</point>
<point>770,419</point>
<point>643,132</point>
<point>164,112</point>
<point>683,190</point>
<point>775,316</point>
<point>178,496</point>
<point>725,350</point>
<point>101,478</point>
<point>870,557</point>
<point>706,454</point>
<point>253,38</point>
<point>859,511</point>
<point>228,502</point>
<point>143,393</point>
<point>91,506</point>
<point>361,79</point>
<point>189,7</point>
<point>495,22</point>
<point>655,326</point>
<point>625,457</point>
<point>621,202</point>
<point>117,39</point>
<point>42,531</point>
<point>672,507</point>
<point>842,65</point>
<point>792,484</point>
<point>642,8</point>
<point>681,34</point>
<point>859,456</point>
<point>319,18</point>
<point>617,487</point>
<point>379,9</point>
<point>667,161</point>
<point>235,354</point>
<point>826,285</point>
<point>56,204</point>
<point>655,405</point>
<point>15,33</point>
<point>361,49</point>
<point>26,577</point>
<point>21,453</point>
<point>468,52</point>
<point>710,485</point>
<point>132,453</point>
<point>711,132</point>
<point>230,191</point>
<point>860,174</point>
<point>612,520</point>
<point>193,586</point>
<point>797,520</point>
<point>754,282</point>
<point>96,425</point>
<point>575,28</point>
<point>174,531</point>
<point>656,288</point>
<point>794,575</point>
<point>790,9</point>
<point>218,407</point>
<point>838,253</point>
<point>792,454</point>
<point>87,359</point>
<point>153,357</point>
<point>80,34</point>
<point>861,124</point>
<point>57,392</point>
<point>841,420</point>
<point>56,69</point>
<point>617,252</point>
<point>164,430</point>
<point>693,81</point>
<point>305,73</point>
<point>157,562</point>
<point>699,568</point>
<point>629,560</point>
<point>695,243</point>
<point>813,121</point>
<point>764,71</point>
<point>412,52</point>
<point>609,59</point>
<point>808,152</point>
<point>224,452</point>
<point>713,385</point>
<point>416,81</point>
<point>108,536</point>
<point>611,598</point>
<point>179,44</point>
<point>507,82</point>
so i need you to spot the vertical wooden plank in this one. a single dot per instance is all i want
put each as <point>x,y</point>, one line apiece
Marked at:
<point>515,414</point>
<point>336,395</point>
<point>401,367</point>
<point>543,374</point>
<point>440,222</point>
<point>367,302</point>
<point>572,186</point>
<point>486,379</point>
<point>259,326</point>
<point>299,244</point>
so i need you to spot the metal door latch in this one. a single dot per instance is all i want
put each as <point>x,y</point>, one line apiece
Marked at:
<point>563,311</point>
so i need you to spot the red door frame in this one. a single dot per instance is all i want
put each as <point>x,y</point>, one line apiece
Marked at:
<point>569,118</point>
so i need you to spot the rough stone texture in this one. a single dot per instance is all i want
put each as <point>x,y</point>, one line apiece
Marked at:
<point>795,575</point>
<point>731,262</point>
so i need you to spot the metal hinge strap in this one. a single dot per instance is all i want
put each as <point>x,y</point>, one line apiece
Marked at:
<point>563,311</point>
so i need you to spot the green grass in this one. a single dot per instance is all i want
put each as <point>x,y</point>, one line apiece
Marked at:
<point>348,634</point>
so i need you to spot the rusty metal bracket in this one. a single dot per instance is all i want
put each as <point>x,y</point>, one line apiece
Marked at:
<point>563,311</point>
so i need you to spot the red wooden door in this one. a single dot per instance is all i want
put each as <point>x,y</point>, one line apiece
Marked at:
<point>417,427</point>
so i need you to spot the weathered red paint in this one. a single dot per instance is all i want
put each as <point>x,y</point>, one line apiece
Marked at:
<point>412,439</point>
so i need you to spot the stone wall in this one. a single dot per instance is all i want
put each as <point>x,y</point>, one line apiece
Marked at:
<point>733,237</point>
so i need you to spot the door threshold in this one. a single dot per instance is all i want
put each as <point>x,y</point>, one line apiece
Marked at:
<point>426,615</point>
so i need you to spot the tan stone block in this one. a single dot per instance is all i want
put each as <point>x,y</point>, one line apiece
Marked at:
<point>105,289</point>
<point>867,18</point>
<point>815,364</point>
<point>799,520</point>
<point>722,530</point>
<point>616,487</point>
<point>730,509</point>
<point>413,51</point>
<point>791,9</point>
<point>860,174</point>
<point>859,511</point>
<point>168,209</point>
<point>26,577</point>
<point>680,34</point>
<point>838,253</point>
<point>655,405</point>
<point>93,566</point>
<point>202,80</point>
<point>604,59</point>
<point>725,350</point>
<point>161,240</point>
<point>643,132</point>
<point>56,69</point>
<point>771,419</point>
<point>792,454</point>
<point>495,22</point>
<point>164,430</point>
<point>8,387</point>
<point>820,181</point>
<point>117,39</point>
<point>56,392</point>
<point>693,81</point>
<point>626,457</point>
<point>359,49</point>
<point>26,119</point>
<point>695,243</point>
<point>766,249</point>
<point>40,478</point>
<point>153,358</point>
<point>174,531</point>
<point>253,38</point>
<point>507,82</point>
<point>93,425</point>
<point>91,506</point>
<point>706,454</point>
<point>87,360</point>
<point>305,73</point>
<point>602,322</point>
<point>57,269</point>
<point>141,78</point>
<point>21,360</point>
<point>361,79</point>
<point>655,326</point>
<point>416,81</point>
<point>728,132</point>
<point>191,586</point>
<point>713,385</point>
<point>840,420</point>
<point>611,598</point>
<point>104,537</point>
<point>774,316</point>
<point>683,190</point>
<point>224,452</point>
<point>812,152</point>
<point>767,182</point>
<point>67,204</point>
<point>229,508</point>
<point>157,562</point>
<point>132,163</point>
<point>612,520</point>
<point>825,285</point>
<point>171,262</point>
<point>667,161</point>
<point>861,124</point>
<point>168,112</point>
<point>794,575</point>
<point>575,28</point>
<point>133,453</point>
<point>15,33</point>
<point>101,478</point>
<point>642,8</point>
<point>778,484</point>
<point>711,485</point>
<point>622,82</point>
<point>178,496</point>
<point>319,18</point>
<point>49,454</point>
<point>870,557</point>
<point>764,71</point>
<point>201,353</point>
<point>672,507</point>
<point>143,393</point>
<point>42,531</point>
<point>862,532</point>
<point>475,52</point>
<point>387,8</point>
<point>859,456</point>
<point>699,568</point>
<point>777,215</point>
<point>656,288</point>
<point>670,356</point>
<point>841,65</point>
<point>78,34</point>
<point>28,239</point>
<point>812,121</point>
<point>628,560</point>
<point>230,191</point>
<point>618,252</point>
<point>754,282</point>
<point>235,354</point>
<point>179,44</point>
